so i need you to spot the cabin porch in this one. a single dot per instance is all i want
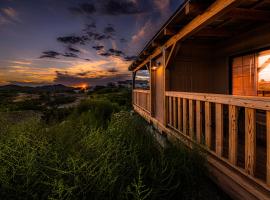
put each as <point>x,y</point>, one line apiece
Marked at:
<point>208,87</point>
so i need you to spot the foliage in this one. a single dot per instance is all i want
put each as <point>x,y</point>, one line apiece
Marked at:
<point>79,158</point>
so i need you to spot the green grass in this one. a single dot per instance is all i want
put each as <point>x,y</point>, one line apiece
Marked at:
<point>97,152</point>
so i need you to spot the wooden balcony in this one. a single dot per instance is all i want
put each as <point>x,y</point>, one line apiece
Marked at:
<point>233,131</point>
<point>141,98</point>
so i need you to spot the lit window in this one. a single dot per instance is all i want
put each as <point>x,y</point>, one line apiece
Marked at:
<point>264,73</point>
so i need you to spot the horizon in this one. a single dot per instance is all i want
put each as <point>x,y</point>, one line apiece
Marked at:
<point>45,42</point>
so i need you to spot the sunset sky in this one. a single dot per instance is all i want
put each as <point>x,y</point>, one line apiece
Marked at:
<point>74,42</point>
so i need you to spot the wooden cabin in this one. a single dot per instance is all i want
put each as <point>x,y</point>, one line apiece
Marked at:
<point>208,70</point>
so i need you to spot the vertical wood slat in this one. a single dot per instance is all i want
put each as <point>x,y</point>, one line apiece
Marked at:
<point>185,126</point>
<point>233,131</point>
<point>180,114</point>
<point>219,129</point>
<point>170,110</point>
<point>174,113</point>
<point>250,140</point>
<point>198,121</point>
<point>268,148</point>
<point>191,118</point>
<point>208,124</point>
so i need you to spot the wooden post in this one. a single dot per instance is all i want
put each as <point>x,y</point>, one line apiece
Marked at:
<point>185,126</point>
<point>268,148</point>
<point>208,124</point>
<point>219,129</point>
<point>174,113</point>
<point>233,130</point>
<point>191,119</point>
<point>250,140</point>
<point>180,115</point>
<point>198,121</point>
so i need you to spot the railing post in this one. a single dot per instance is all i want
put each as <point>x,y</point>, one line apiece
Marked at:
<point>185,125</point>
<point>198,121</point>
<point>233,130</point>
<point>250,140</point>
<point>191,119</point>
<point>174,113</point>
<point>180,115</point>
<point>219,129</point>
<point>170,110</point>
<point>208,124</point>
<point>268,148</point>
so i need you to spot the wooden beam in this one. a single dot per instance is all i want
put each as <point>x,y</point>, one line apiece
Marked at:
<point>217,9</point>
<point>249,14</point>
<point>170,55</point>
<point>169,32</point>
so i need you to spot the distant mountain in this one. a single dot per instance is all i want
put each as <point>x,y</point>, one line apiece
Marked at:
<point>45,88</point>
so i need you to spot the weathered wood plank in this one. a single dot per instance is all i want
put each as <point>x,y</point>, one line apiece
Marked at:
<point>185,120</point>
<point>174,113</point>
<point>250,140</point>
<point>170,110</point>
<point>219,129</point>
<point>233,131</point>
<point>261,103</point>
<point>198,121</point>
<point>268,148</point>
<point>191,119</point>
<point>208,124</point>
<point>180,115</point>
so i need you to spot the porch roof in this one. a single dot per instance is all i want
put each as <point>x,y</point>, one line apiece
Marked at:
<point>208,20</point>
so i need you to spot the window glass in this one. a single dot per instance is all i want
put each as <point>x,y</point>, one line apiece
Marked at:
<point>264,74</point>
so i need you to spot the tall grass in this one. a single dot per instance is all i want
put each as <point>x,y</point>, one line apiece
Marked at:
<point>80,158</point>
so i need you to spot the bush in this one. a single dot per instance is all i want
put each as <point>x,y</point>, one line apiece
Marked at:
<point>76,159</point>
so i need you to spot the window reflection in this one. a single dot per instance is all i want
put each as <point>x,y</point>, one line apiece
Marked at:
<point>142,80</point>
<point>264,73</point>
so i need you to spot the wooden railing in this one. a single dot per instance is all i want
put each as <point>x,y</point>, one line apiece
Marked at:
<point>141,98</point>
<point>226,126</point>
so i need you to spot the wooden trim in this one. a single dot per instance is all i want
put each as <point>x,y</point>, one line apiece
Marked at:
<point>262,103</point>
<point>233,131</point>
<point>170,55</point>
<point>219,129</point>
<point>250,140</point>
<point>141,91</point>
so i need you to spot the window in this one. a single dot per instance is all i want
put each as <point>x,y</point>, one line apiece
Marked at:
<point>251,74</point>
<point>264,73</point>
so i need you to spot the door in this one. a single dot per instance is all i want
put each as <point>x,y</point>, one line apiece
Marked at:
<point>159,93</point>
<point>244,75</point>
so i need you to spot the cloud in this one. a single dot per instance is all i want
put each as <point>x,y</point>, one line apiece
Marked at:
<point>120,7</point>
<point>69,79</point>
<point>73,39</point>
<point>8,15</point>
<point>84,8</point>
<point>98,47</point>
<point>50,54</point>
<point>109,30</point>
<point>130,58</point>
<point>73,50</point>
<point>112,70</point>
<point>70,55</point>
